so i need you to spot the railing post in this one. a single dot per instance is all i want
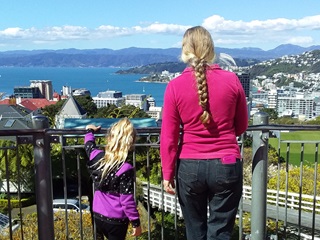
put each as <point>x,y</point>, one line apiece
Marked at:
<point>43,179</point>
<point>259,178</point>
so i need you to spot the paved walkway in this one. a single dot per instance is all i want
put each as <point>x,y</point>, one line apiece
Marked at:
<point>26,210</point>
<point>291,217</point>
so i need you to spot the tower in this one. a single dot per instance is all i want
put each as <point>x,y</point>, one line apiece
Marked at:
<point>45,87</point>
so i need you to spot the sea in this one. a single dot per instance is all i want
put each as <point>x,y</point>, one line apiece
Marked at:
<point>94,79</point>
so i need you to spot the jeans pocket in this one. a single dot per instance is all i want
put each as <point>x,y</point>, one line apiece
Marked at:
<point>229,174</point>
<point>188,174</point>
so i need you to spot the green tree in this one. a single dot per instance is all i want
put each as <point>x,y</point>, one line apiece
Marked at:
<point>287,121</point>
<point>105,112</point>
<point>315,121</point>
<point>86,102</point>
<point>129,111</point>
<point>51,111</point>
<point>273,114</point>
<point>19,162</point>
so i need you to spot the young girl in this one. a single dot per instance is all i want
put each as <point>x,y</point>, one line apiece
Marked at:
<point>113,201</point>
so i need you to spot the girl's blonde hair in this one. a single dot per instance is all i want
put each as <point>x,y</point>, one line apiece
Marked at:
<point>119,141</point>
<point>198,52</point>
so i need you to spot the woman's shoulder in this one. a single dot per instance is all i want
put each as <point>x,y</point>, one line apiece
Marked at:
<point>187,73</point>
<point>219,73</point>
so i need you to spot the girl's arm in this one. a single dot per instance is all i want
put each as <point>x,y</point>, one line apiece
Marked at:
<point>128,201</point>
<point>90,142</point>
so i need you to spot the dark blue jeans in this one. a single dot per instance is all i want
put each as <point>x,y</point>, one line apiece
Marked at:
<point>209,183</point>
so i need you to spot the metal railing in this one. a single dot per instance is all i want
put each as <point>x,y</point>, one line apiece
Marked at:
<point>43,140</point>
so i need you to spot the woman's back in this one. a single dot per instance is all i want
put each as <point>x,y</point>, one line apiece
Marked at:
<point>225,104</point>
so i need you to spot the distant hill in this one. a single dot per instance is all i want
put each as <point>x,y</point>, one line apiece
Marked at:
<point>155,68</point>
<point>131,57</point>
<point>307,63</point>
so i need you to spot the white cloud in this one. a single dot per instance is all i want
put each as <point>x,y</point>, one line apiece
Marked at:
<point>165,28</point>
<point>218,24</point>
<point>12,32</point>
<point>263,32</point>
<point>224,31</point>
<point>300,40</point>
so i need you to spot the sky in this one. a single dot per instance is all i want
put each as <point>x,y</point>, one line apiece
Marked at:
<point>82,24</point>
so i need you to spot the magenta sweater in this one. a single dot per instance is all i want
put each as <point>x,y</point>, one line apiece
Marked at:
<point>228,106</point>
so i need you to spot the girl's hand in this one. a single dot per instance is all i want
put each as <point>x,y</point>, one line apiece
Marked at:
<point>93,127</point>
<point>136,231</point>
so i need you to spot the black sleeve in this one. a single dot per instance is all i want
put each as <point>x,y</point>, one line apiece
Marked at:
<point>127,182</point>
<point>89,147</point>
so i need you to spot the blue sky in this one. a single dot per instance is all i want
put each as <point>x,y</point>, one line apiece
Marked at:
<point>61,24</point>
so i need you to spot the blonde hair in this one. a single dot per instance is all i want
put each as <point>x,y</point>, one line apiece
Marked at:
<point>119,141</point>
<point>198,52</point>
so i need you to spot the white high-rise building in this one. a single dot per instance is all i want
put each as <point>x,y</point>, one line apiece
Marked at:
<point>45,87</point>
<point>273,99</point>
<point>299,105</point>
<point>66,91</point>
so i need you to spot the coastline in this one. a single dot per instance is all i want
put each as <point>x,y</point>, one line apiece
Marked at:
<point>152,82</point>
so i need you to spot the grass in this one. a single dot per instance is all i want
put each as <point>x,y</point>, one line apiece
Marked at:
<point>310,138</point>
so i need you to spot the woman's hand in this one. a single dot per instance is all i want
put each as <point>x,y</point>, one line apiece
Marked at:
<point>169,186</point>
<point>93,127</point>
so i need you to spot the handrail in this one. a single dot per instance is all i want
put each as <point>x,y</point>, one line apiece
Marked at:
<point>155,197</point>
<point>41,139</point>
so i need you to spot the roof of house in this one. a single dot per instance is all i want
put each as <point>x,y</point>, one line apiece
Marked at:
<point>36,103</point>
<point>71,108</point>
<point>13,111</point>
<point>5,101</point>
<point>14,117</point>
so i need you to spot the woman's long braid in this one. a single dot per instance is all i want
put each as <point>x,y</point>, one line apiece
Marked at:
<point>198,52</point>
<point>200,73</point>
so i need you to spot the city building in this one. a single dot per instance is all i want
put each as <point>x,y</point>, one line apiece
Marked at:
<point>45,87</point>
<point>66,91</point>
<point>300,106</point>
<point>37,89</point>
<point>245,82</point>
<point>27,92</point>
<point>81,92</point>
<point>137,100</point>
<point>155,112</point>
<point>151,102</point>
<point>109,97</point>
<point>273,99</point>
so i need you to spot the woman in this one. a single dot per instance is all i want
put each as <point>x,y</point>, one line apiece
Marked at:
<point>207,105</point>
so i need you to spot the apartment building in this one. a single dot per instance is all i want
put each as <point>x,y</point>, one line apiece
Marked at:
<point>109,97</point>
<point>137,100</point>
<point>300,106</point>
<point>45,87</point>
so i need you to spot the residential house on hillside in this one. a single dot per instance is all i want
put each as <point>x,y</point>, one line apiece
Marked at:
<point>15,117</point>
<point>70,109</point>
<point>33,104</point>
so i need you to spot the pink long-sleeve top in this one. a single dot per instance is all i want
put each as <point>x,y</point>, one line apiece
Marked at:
<point>227,105</point>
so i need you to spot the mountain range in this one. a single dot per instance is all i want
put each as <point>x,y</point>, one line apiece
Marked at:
<point>132,57</point>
